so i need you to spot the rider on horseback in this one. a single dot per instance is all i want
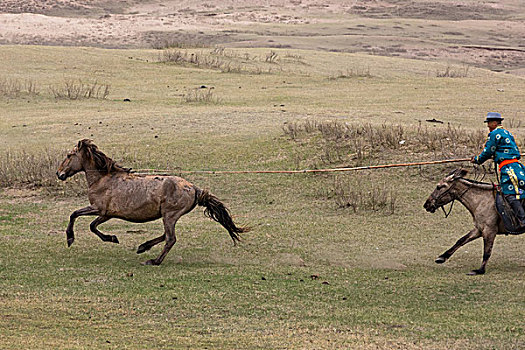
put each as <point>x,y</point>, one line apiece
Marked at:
<point>502,147</point>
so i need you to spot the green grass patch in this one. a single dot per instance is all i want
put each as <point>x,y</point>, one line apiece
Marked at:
<point>311,274</point>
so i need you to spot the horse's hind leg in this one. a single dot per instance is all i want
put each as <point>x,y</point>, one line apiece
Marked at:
<point>105,238</point>
<point>149,244</point>
<point>472,235</point>
<point>80,212</point>
<point>488,242</point>
<point>169,233</point>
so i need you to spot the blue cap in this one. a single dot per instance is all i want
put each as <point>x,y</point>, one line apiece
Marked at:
<point>493,116</point>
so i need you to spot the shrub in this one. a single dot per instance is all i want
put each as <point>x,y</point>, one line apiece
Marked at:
<point>337,141</point>
<point>201,95</point>
<point>349,192</point>
<point>453,72</point>
<point>77,89</point>
<point>10,87</point>
<point>356,72</point>
<point>219,59</point>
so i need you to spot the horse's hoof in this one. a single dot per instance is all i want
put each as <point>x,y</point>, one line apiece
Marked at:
<point>476,272</point>
<point>440,260</point>
<point>150,262</point>
<point>114,239</point>
<point>70,241</point>
<point>142,249</point>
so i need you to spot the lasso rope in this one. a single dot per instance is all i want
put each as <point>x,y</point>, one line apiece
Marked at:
<point>305,171</point>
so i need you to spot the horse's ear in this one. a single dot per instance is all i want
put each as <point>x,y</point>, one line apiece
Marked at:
<point>461,172</point>
<point>83,143</point>
<point>456,173</point>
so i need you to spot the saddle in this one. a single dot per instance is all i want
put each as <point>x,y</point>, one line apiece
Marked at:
<point>510,221</point>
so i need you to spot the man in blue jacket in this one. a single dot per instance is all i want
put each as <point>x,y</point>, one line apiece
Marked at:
<point>502,147</point>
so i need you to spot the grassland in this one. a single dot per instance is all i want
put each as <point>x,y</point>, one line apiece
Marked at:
<point>310,275</point>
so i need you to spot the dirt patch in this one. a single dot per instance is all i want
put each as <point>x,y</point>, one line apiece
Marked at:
<point>20,193</point>
<point>289,259</point>
<point>494,59</point>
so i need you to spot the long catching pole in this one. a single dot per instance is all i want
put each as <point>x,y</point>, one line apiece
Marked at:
<point>333,170</point>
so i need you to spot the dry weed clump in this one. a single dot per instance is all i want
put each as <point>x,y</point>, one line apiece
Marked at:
<point>449,140</point>
<point>271,57</point>
<point>337,141</point>
<point>225,61</point>
<point>512,123</point>
<point>35,170</point>
<point>453,72</point>
<point>10,87</point>
<point>178,44</point>
<point>349,192</point>
<point>356,72</point>
<point>76,89</point>
<point>294,56</point>
<point>201,95</point>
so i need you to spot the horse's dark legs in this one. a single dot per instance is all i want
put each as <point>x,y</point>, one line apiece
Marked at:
<point>150,244</point>
<point>93,228</point>
<point>169,233</point>
<point>488,242</point>
<point>80,212</point>
<point>472,235</point>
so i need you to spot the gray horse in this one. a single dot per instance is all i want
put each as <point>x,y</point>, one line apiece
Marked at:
<point>478,198</point>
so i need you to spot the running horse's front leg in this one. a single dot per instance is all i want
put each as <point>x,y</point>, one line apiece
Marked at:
<point>106,238</point>
<point>472,235</point>
<point>90,210</point>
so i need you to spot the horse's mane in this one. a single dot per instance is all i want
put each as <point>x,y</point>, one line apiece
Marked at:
<point>459,175</point>
<point>479,184</point>
<point>103,163</point>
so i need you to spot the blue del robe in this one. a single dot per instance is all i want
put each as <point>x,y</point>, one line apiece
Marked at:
<point>501,146</point>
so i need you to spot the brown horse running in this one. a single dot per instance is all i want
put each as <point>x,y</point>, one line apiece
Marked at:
<point>115,192</point>
<point>478,198</point>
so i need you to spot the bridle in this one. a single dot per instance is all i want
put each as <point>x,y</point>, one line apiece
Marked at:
<point>454,197</point>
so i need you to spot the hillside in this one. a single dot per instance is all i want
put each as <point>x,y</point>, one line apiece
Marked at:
<point>483,34</point>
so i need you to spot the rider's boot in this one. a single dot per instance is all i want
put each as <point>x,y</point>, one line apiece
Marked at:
<point>517,208</point>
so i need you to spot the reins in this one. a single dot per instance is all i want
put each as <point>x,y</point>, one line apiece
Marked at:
<point>471,184</point>
<point>449,211</point>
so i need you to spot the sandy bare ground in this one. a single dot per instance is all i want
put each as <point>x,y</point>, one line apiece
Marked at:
<point>481,33</point>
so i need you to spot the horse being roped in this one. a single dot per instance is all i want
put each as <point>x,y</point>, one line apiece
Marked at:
<point>479,199</point>
<point>115,192</point>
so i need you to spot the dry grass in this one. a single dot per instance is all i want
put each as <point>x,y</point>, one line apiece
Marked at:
<point>376,286</point>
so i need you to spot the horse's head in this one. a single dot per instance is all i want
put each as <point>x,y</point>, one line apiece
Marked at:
<point>72,164</point>
<point>445,191</point>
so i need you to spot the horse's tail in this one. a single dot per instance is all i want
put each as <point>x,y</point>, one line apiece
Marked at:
<point>217,211</point>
